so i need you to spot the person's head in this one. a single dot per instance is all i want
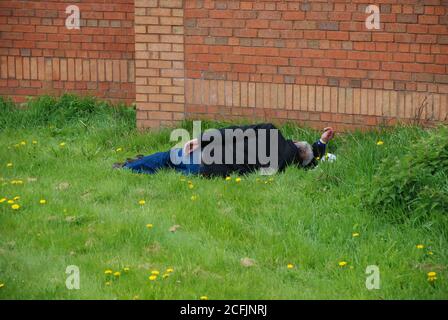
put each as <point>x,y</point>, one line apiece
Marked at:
<point>306,154</point>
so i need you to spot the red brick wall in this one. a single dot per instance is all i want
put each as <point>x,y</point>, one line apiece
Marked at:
<point>38,54</point>
<point>319,42</point>
<point>308,61</point>
<point>315,61</point>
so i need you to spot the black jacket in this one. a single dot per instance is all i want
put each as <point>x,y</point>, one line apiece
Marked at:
<point>287,152</point>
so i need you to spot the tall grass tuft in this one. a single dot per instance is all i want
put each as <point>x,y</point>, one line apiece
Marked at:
<point>67,109</point>
<point>416,181</point>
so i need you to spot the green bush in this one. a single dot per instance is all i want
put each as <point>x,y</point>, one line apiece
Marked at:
<point>416,181</point>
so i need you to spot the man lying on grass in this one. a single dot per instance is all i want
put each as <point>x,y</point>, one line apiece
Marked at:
<point>235,150</point>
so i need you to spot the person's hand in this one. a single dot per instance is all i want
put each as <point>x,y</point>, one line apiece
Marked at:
<point>327,135</point>
<point>190,146</point>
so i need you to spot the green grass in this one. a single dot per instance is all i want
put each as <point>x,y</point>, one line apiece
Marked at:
<point>92,218</point>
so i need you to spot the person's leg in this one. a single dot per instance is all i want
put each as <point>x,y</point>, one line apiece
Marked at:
<point>150,164</point>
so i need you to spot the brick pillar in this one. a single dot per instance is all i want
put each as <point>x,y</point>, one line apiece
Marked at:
<point>159,62</point>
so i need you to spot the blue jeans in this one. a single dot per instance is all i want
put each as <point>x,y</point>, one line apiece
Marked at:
<point>160,160</point>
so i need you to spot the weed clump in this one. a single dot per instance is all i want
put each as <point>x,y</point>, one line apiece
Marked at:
<point>416,181</point>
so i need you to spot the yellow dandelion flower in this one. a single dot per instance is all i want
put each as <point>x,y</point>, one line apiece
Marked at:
<point>149,225</point>
<point>126,269</point>
<point>419,246</point>
<point>432,276</point>
<point>152,277</point>
<point>117,274</point>
<point>203,298</point>
<point>228,178</point>
<point>2,285</point>
<point>9,165</point>
<point>193,198</point>
<point>342,263</point>
<point>170,270</point>
<point>290,266</point>
<point>141,202</point>
<point>10,201</point>
<point>238,180</point>
<point>16,198</point>
<point>3,200</point>
<point>22,143</point>
<point>15,207</point>
<point>119,149</point>
<point>190,186</point>
<point>155,272</point>
<point>165,275</point>
<point>108,272</point>
<point>355,234</point>
<point>380,143</point>
<point>34,142</point>
<point>42,201</point>
<point>430,253</point>
<point>62,144</point>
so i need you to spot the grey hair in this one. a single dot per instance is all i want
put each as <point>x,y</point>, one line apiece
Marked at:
<point>306,152</point>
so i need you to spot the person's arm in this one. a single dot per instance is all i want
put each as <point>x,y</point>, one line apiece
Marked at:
<point>190,146</point>
<point>319,149</point>
<point>320,146</point>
